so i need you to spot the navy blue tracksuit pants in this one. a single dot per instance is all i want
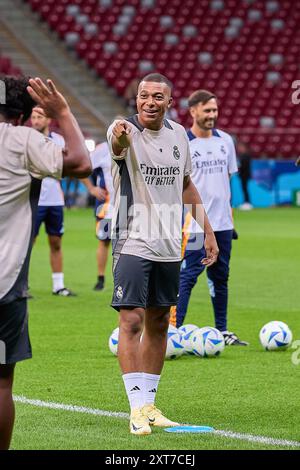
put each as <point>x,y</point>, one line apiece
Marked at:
<point>217,278</point>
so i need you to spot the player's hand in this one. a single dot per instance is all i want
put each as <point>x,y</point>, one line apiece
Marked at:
<point>99,193</point>
<point>48,98</point>
<point>211,248</point>
<point>121,132</point>
<point>297,163</point>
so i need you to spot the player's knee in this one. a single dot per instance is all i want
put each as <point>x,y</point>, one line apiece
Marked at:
<point>132,321</point>
<point>222,279</point>
<point>218,277</point>
<point>55,245</point>
<point>165,320</point>
<point>161,321</point>
<point>190,278</point>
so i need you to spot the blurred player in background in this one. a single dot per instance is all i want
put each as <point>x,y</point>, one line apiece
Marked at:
<point>100,186</point>
<point>26,156</point>
<point>51,209</point>
<point>151,165</point>
<point>244,164</point>
<point>214,161</point>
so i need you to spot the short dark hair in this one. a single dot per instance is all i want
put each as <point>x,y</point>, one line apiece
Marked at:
<point>17,99</point>
<point>200,96</point>
<point>158,78</point>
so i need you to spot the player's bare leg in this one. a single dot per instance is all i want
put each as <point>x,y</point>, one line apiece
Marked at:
<point>131,327</point>
<point>154,341</point>
<point>7,407</point>
<point>56,256</point>
<point>102,256</point>
<point>56,262</point>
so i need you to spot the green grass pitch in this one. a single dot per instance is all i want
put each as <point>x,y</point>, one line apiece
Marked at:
<point>245,390</point>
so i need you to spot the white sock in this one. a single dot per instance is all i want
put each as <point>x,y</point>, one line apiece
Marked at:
<point>58,281</point>
<point>134,388</point>
<point>150,386</point>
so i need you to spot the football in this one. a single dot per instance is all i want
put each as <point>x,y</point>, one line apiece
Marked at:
<point>275,335</point>
<point>172,330</point>
<point>207,342</point>
<point>113,341</point>
<point>186,332</point>
<point>174,345</point>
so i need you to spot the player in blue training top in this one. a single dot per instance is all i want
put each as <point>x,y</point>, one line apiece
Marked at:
<point>213,162</point>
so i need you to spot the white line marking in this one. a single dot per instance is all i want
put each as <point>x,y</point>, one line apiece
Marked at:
<point>258,439</point>
<point>77,409</point>
<point>112,414</point>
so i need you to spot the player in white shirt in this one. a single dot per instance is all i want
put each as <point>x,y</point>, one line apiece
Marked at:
<point>26,156</point>
<point>151,165</point>
<point>214,161</point>
<point>50,210</point>
<point>100,185</point>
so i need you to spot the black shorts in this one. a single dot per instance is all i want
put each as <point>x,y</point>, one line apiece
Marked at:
<point>14,337</point>
<point>140,282</point>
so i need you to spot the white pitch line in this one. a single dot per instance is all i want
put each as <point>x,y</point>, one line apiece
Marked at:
<point>113,414</point>
<point>258,439</point>
<point>74,408</point>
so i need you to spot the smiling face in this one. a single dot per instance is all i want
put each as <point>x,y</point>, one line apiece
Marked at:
<point>152,102</point>
<point>205,115</point>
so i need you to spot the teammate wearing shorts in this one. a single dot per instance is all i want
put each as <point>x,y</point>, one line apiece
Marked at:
<point>214,160</point>
<point>50,209</point>
<point>100,186</point>
<point>151,165</point>
<point>26,156</point>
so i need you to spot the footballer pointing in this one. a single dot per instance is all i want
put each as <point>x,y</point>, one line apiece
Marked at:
<point>151,167</point>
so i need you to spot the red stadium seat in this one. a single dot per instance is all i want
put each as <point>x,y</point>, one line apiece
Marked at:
<point>238,69</point>
<point>7,68</point>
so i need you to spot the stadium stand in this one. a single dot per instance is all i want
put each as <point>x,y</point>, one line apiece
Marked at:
<point>7,68</point>
<point>246,51</point>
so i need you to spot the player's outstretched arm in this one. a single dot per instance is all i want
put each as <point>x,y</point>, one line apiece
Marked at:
<point>192,199</point>
<point>76,158</point>
<point>120,140</point>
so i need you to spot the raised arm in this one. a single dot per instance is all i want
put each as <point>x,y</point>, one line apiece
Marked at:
<point>76,160</point>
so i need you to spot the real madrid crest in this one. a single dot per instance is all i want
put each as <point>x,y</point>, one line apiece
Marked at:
<point>119,293</point>
<point>176,153</point>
